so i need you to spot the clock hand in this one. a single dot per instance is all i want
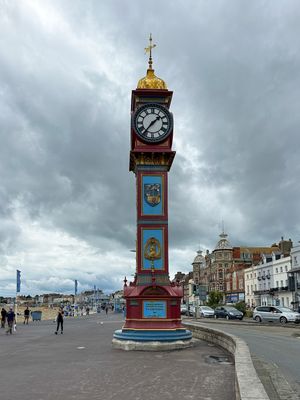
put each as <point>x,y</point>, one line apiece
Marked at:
<point>152,122</point>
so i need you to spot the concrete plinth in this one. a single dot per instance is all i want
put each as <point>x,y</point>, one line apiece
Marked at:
<point>151,345</point>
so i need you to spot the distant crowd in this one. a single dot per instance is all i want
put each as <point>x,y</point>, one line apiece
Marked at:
<point>9,320</point>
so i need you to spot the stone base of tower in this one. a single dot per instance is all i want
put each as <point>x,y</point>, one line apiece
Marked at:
<point>130,345</point>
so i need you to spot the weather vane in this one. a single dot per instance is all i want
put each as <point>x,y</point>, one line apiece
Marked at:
<point>149,50</point>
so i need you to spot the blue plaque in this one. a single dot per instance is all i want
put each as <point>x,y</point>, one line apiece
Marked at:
<point>154,309</point>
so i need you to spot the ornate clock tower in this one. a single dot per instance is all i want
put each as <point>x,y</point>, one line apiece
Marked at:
<point>152,301</point>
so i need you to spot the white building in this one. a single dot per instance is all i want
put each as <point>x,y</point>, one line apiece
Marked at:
<point>294,275</point>
<point>267,283</point>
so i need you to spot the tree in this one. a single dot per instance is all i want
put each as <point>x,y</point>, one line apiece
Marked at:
<point>214,299</point>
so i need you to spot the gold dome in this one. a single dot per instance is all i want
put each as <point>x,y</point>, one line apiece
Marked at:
<point>151,81</point>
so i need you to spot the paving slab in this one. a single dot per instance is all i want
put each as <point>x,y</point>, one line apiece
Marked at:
<point>82,365</point>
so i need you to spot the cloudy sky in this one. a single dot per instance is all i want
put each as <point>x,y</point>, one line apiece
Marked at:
<point>67,68</point>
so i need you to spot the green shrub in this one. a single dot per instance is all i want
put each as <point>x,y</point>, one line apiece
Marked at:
<point>241,306</point>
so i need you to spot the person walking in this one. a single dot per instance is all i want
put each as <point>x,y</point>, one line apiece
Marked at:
<point>106,309</point>
<point>60,321</point>
<point>11,320</point>
<point>26,315</point>
<point>3,317</point>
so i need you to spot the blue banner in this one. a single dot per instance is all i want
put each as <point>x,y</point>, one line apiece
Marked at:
<point>18,281</point>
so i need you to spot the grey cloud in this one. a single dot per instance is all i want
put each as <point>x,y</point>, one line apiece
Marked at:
<point>64,128</point>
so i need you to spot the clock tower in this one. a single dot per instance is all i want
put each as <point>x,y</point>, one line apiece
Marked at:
<point>152,301</point>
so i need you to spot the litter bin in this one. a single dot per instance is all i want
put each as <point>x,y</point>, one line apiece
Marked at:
<point>36,315</point>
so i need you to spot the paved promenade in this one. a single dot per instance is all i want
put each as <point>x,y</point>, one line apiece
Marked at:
<point>81,365</point>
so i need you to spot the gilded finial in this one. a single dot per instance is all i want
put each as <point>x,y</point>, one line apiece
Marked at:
<point>151,81</point>
<point>149,50</point>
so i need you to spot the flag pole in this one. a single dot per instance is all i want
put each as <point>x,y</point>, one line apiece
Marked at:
<point>16,309</point>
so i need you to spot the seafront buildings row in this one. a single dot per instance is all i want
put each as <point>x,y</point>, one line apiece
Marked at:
<point>91,298</point>
<point>255,275</point>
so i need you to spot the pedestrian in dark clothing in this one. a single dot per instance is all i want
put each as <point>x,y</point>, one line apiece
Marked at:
<point>106,309</point>
<point>60,321</point>
<point>11,317</point>
<point>26,315</point>
<point>3,317</point>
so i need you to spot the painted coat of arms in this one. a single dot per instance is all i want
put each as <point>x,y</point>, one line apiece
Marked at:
<point>152,193</point>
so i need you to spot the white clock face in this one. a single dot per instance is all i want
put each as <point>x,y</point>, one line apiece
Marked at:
<point>152,122</point>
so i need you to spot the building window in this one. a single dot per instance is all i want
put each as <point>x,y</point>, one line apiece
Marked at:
<point>281,270</point>
<point>247,290</point>
<point>276,270</point>
<point>295,260</point>
<point>255,275</point>
<point>241,284</point>
<point>251,289</point>
<point>250,276</point>
<point>247,276</point>
<point>277,284</point>
<point>228,286</point>
<point>281,283</point>
<point>286,268</point>
<point>255,287</point>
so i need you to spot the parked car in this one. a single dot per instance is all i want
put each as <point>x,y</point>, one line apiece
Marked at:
<point>192,310</point>
<point>183,309</point>
<point>187,309</point>
<point>206,312</point>
<point>277,314</point>
<point>228,312</point>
